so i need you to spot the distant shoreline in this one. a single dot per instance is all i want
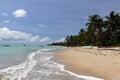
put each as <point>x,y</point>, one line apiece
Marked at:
<point>102,63</point>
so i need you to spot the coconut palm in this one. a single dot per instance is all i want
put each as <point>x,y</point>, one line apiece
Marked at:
<point>113,27</point>
<point>95,27</point>
<point>113,21</point>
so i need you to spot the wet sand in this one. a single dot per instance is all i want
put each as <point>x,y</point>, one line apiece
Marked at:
<point>101,63</point>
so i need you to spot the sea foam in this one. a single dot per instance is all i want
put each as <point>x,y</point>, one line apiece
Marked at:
<point>79,76</point>
<point>20,71</point>
<point>17,72</point>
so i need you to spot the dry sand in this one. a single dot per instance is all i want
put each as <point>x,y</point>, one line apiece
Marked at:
<point>102,63</point>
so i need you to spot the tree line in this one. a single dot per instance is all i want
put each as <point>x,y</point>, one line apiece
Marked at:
<point>99,32</point>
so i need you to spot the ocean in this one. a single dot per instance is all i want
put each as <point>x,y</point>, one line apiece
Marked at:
<point>34,63</point>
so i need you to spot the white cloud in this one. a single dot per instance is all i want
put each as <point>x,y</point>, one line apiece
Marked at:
<point>19,13</point>
<point>7,35</point>
<point>5,14</point>
<point>60,40</point>
<point>6,21</point>
<point>46,39</point>
<point>36,38</point>
<point>11,36</point>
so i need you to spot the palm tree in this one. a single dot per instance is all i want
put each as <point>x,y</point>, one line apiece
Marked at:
<point>113,21</point>
<point>82,31</point>
<point>113,27</point>
<point>67,41</point>
<point>81,37</point>
<point>95,27</point>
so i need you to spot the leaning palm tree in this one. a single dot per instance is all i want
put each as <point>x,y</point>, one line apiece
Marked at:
<point>95,26</point>
<point>81,37</point>
<point>113,21</point>
<point>113,27</point>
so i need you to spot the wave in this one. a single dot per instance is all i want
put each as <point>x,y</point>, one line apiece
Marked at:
<point>79,76</point>
<point>17,72</point>
<point>20,71</point>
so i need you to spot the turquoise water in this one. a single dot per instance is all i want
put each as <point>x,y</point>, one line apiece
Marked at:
<point>33,63</point>
<point>13,55</point>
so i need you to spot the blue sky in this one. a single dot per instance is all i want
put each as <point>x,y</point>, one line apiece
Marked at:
<point>51,20</point>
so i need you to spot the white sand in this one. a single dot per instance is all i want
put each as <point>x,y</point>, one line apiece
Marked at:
<point>102,63</point>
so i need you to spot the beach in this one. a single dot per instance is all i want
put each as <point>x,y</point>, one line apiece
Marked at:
<point>59,63</point>
<point>102,63</point>
<point>36,64</point>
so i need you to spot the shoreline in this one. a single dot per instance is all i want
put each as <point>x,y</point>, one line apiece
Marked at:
<point>102,63</point>
<point>55,60</point>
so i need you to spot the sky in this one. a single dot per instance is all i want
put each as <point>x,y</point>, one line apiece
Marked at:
<point>46,21</point>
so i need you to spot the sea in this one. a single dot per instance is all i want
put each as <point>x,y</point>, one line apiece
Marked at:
<point>21,62</point>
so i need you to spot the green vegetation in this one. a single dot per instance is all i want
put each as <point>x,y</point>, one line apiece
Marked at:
<point>99,32</point>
